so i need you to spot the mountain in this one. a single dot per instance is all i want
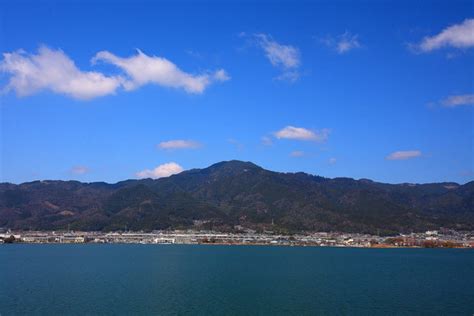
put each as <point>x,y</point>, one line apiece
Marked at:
<point>233,193</point>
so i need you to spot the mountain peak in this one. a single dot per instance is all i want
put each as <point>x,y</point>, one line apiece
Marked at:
<point>234,165</point>
<point>229,168</point>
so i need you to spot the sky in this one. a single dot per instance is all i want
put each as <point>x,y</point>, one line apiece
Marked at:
<point>115,90</point>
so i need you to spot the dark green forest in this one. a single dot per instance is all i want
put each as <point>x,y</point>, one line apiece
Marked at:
<point>238,194</point>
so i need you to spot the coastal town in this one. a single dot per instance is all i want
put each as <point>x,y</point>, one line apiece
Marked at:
<point>428,239</point>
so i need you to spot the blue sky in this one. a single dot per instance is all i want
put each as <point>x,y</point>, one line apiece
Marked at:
<point>109,91</point>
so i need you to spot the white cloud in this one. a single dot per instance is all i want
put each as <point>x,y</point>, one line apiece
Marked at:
<point>53,70</point>
<point>164,170</point>
<point>179,144</point>
<point>79,169</point>
<point>457,36</point>
<point>143,69</point>
<point>343,43</point>
<point>404,155</point>
<point>285,57</point>
<point>458,100</point>
<point>300,133</point>
<point>297,153</point>
<point>332,161</point>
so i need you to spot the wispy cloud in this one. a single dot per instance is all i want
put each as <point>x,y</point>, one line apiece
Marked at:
<point>300,133</point>
<point>297,153</point>
<point>342,43</point>
<point>457,36</point>
<point>287,58</point>
<point>162,171</point>
<point>458,100</point>
<point>238,145</point>
<point>404,155</point>
<point>80,170</point>
<point>179,144</point>
<point>279,55</point>
<point>220,75</point>
<point>142,69</point>
<point>266,141</point>
<point>467,173</point>
<point>290,76</point>
<point>53,70</point>
<point>332,161</point>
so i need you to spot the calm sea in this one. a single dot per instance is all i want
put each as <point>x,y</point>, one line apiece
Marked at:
<point>234,280</point>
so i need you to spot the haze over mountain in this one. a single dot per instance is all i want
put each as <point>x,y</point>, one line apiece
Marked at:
<point>233,193</point>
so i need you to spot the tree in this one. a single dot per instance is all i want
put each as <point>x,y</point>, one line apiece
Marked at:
<point>10,240</point>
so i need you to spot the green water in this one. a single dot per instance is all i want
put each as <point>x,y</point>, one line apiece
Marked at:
<point>233,280</point>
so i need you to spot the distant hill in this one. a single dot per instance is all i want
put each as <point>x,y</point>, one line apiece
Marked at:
<point>233,193</point>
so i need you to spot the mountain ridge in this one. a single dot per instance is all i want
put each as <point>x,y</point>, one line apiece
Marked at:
<point>235,193</point>
<point>225,162</point>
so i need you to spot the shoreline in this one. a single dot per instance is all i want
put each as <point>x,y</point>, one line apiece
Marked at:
<point>236,245</point>
<point>430,239</point>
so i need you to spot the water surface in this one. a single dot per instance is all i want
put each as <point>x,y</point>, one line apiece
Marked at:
<point>234,280</point>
